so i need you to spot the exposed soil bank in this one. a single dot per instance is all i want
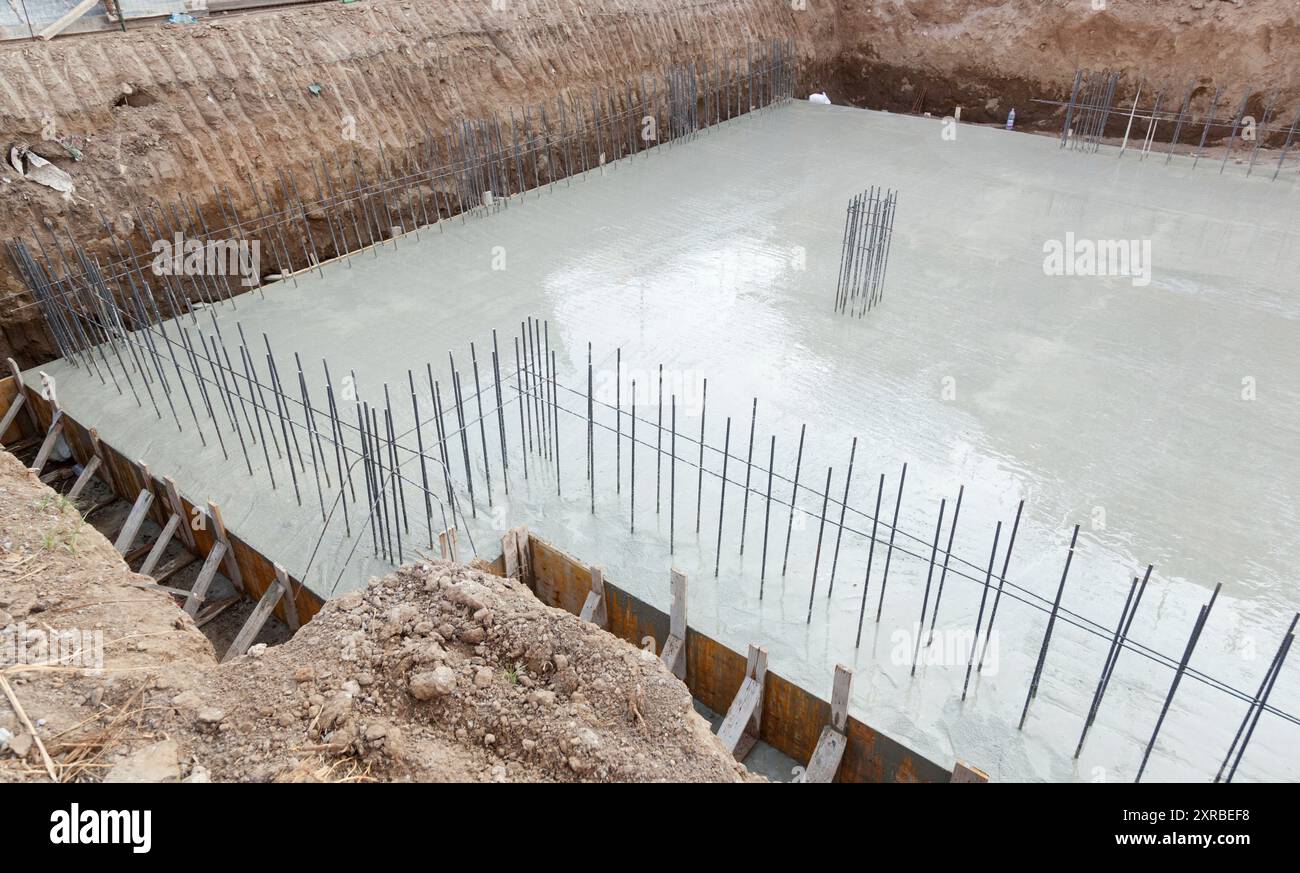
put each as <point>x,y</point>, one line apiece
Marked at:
<point>163,113</point>
<point>168,112</point>
<point>934,55</point>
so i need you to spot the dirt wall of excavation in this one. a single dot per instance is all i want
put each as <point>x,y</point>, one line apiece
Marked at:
<point>172,113</point>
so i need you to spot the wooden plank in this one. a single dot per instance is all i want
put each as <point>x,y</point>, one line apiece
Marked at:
<point>66,21</point>
<point>153,586</point>
<point>756,669</point>
<point>137,553</point>
<point>180,562</point>
<point>510,554</point>
<point>589,608</point>
<point>133,521</point>
<point>825,761</point>
<point>23,445</point>
<point>840,697</point>
<point>291,601</point>
<point>745,746</point>
<point>178,507</point>
<point>962,772</point>
<point>525,555</point>
<point>14,408</point>
<point>160,545</point>
<point>593,609</point>
<point>677,615</point>
<point>447,544</point>
<point>674,651</point>
<point>256,620</point>
<point>205,577</point>
<point>22,392</point>
<point>146,481</point>
<point>51,436</point>
<point>674,656</point>
<point>212,610</point>
<point>742,709</point>
<point>56,475</point>
<point>10,391</point>
<point>87,472</point>
<point>106,469</point>
<point>219,532</point>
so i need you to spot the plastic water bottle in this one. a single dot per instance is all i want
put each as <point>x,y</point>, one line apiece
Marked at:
<point>1011,119</point>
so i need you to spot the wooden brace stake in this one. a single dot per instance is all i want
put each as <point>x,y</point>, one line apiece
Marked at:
<point>674,650</point>
<point>219,532</point>
<point>256,619</point>
<point>447,544</point>
<point>290,601</point>
<point>51,436</point>
<point>204,580</point>
<point>739,729</point>
<point>180,562</point>
<point>214,609</point>
<point>160,545</point>
<point>280,589</point>
<point>509,555</point>
<point>133,521</point>
<point>826,757</point>
<point>83,480</point>
<point>524,551</point>
<point>22,393</point>
<point>174,498</point>
<point>19,401</point>
<point>105,469</point>
<point>593,609</point>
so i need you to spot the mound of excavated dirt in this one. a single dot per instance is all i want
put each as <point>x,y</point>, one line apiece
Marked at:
<point>437,672</point>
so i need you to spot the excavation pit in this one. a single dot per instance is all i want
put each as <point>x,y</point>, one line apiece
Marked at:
<point>716,258</point>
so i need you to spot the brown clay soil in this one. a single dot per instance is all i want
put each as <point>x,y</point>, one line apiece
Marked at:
<point>437,672</point>
<point>167,113</point>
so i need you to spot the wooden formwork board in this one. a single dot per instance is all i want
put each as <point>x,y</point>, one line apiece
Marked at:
<point>792,718</point>
<point>9,391</point>
<point>558,579</point>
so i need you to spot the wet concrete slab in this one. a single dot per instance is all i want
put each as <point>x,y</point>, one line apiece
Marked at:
<point>1160,415</point>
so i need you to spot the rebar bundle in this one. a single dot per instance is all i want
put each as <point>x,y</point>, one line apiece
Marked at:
<point>1091,115</point>
<point>864,255</point>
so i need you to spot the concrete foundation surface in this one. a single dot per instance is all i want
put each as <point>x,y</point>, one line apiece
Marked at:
<point>1158,409</point>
